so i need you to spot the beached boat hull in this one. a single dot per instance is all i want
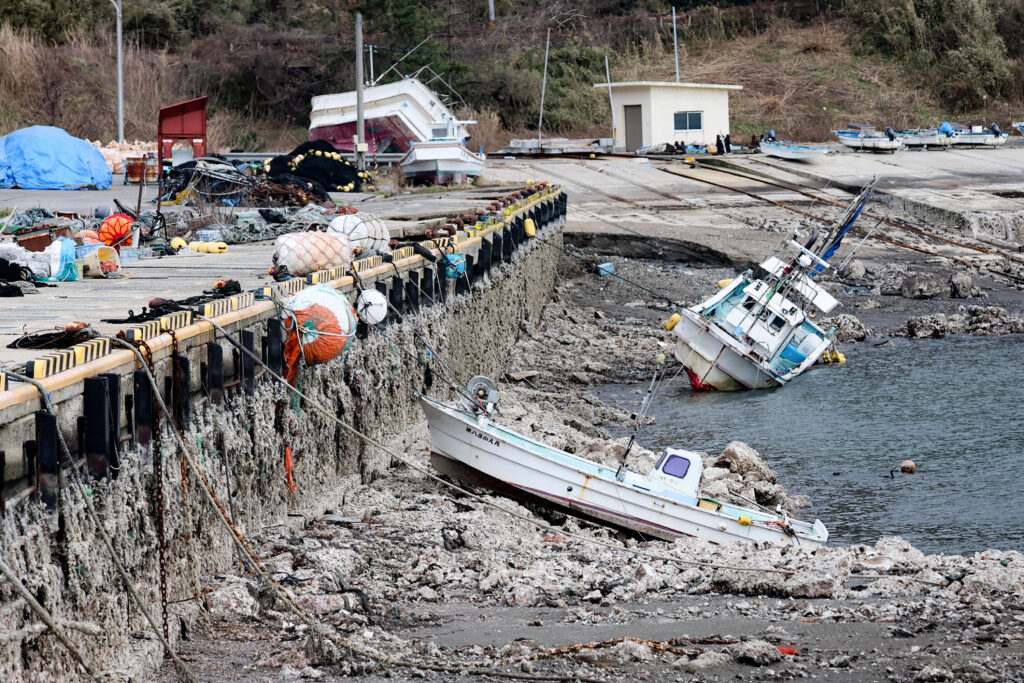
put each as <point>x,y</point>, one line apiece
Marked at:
<point>460,441</point>
<point>929,139</point>
<point>874,143</point>
<point>981,139</point>
<point>711,363</point>
<point>793,152</point>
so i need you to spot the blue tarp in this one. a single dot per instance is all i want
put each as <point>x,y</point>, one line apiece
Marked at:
<point>47,158</point>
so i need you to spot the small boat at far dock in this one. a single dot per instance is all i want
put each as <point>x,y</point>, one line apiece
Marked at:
<point>784,149</point>
<point>666,503</point>
<point>863,136</point>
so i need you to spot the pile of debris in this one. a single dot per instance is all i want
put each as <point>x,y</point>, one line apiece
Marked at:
<point>115,153</point>
<point>305,176</point>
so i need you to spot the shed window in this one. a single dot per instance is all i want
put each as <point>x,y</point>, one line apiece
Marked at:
<point>689,120</point>
<point>676,466</point>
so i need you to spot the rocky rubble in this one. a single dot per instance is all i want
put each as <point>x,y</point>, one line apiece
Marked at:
<point>976,320</point>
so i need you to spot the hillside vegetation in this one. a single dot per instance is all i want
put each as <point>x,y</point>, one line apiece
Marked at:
<point>805,66</point>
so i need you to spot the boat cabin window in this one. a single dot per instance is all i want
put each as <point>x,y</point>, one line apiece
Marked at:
<point>439,132</point>
<point>777,323</point>
<point>676,466</point>
<point>748,303</point>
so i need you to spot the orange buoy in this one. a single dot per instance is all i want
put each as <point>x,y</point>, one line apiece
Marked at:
<point>88,235</point>
<point>908,467</point>
<point>114,229</point>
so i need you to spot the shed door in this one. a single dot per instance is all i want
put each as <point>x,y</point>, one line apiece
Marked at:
<point>634,127</point>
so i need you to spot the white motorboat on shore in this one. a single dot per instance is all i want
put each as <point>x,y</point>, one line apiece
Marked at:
<point>784,149</point>
<point>862,136</point>
<point>666,503</point>
<point>443,158</point>
<point>980,136</point>
<point>944,136</point>
<point>756,333</point>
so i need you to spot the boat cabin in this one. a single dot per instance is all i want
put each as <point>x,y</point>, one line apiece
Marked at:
<point>447,131</point>
<point>680,470</point>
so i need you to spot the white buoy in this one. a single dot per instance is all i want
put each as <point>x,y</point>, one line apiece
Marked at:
<point>365,230</point>
<point>371,306</point>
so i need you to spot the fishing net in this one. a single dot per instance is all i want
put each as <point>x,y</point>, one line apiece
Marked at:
<point>114,229</point>
<point>307,252</point>
<point>319,322</point>
<point>365,230</point>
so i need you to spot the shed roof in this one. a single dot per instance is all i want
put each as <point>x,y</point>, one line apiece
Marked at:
<point>668,84</point>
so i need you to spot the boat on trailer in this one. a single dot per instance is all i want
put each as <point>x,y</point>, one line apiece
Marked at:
<point>784,149</point>
<point>756,332</point>
<point>466,443</point>
<point>863,136</point>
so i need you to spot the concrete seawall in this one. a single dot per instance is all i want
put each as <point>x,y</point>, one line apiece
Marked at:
<point>241,444</point>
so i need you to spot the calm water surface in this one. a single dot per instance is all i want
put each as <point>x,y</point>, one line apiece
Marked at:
<point>954,406</point>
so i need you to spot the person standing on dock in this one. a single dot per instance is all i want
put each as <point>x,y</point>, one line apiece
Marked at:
<point>728,144</point>
<point>719,148</point>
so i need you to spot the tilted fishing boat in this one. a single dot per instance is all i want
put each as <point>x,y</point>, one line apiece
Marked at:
<point>862,136</point>
<point>979,136</point>
<point>466,443</point>
<point>784,149</point>
<point>443,158</point>
<point>756,333</point>
<point>943,136</point>
<point>1019,125</point>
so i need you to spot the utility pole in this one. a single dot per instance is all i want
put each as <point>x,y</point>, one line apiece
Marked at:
<point>120,74</point>
<point>611,102</point>
<point>543,89</point>
<point>675,41</point>
<point>370,50</point>
<point>360,132</point>
<point>490,13</point>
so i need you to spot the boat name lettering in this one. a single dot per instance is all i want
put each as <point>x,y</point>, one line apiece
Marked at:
<point>480,435</point>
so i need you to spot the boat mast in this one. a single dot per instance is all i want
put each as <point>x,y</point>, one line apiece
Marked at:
<point>620,473</point>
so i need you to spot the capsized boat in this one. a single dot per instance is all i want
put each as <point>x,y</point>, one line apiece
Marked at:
<point>863,136</point>
<point>395,114</point>
<point>666,503</point>
<point>943,136</point>
<point>979,136</point>
<point>756,333</point>
<point>443,158</point>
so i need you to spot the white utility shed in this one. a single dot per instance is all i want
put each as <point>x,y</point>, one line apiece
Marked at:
<point>654,112</point>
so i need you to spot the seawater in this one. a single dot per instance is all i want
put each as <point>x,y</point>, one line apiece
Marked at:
<point>954,406</point>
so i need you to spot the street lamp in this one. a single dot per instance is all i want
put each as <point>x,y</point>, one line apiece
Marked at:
<point>120,75</point>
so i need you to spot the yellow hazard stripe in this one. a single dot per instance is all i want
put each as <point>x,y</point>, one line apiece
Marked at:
<point>291,286</point>
<point>144,332</point>
<point>176,320</point>
<point>50,364</point>
<point>90,350</point>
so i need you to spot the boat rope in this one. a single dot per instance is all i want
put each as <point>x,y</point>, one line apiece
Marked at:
<point>47,619</point>
<point>182,671</point>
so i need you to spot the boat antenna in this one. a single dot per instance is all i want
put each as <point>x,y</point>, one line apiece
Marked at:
<point>620,473</point>
<point>383,73</point>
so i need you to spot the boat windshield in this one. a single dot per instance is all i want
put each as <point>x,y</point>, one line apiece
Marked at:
<point>676,466</point>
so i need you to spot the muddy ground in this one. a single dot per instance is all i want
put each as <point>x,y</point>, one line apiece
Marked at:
<point>406,569</point>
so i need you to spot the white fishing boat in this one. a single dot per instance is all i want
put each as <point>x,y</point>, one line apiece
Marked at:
<point>862,136</point>
<point>783,149</point>
<point>1019,125</point>
<point>443,158</point>
<point>930,137</point>
<point>756,332</point>
<point>665,503</point>
<point>394,115</point>
<point>980,136</point>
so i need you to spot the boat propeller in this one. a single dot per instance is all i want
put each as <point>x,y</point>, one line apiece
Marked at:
<point>480,396</point>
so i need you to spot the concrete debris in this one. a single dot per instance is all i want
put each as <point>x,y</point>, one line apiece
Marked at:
<point>709,659</point>
<point>756,653</point>
<point>974,320</point>
<point>962,287</point>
